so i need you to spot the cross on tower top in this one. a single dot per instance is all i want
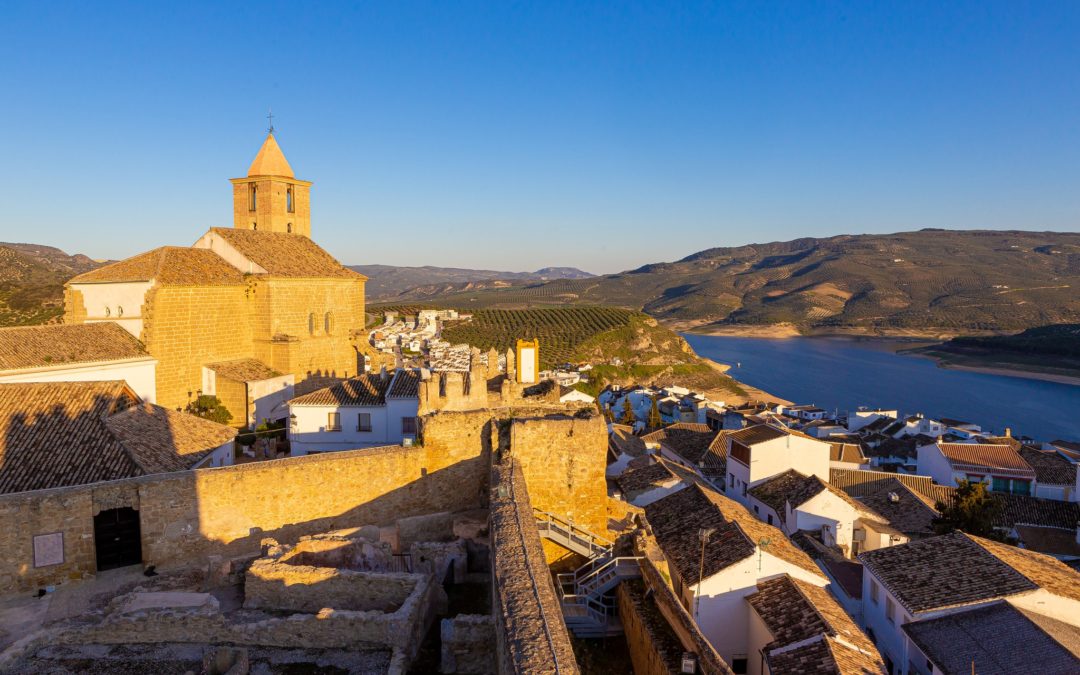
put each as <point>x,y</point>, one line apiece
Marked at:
<point>270,117</point>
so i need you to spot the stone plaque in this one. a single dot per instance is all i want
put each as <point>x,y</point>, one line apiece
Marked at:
<point>48,549</point>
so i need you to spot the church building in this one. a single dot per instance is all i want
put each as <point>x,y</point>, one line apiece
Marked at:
<point>243,313</point>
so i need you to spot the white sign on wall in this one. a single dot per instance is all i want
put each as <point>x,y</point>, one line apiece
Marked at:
<point>48,549</point>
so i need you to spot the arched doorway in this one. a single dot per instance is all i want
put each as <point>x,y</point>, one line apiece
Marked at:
<point>117,538</point>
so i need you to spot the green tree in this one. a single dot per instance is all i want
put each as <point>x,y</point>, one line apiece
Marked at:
<point>654,421</point>
<point>628,416</point>
<point>973,510</point>
<point>210,408</point>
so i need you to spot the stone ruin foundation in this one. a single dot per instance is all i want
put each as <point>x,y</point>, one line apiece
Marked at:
<point>362,600</point>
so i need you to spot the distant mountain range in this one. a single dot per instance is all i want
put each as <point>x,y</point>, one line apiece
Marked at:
<point>387,282</point>
<point>959,281</point>
<point>32,282</point>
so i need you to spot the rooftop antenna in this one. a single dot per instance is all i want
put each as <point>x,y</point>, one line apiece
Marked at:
<point>763,544</point>
<point>270,117</point>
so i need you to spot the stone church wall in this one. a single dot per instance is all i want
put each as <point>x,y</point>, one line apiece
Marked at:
<point>299,308</point>
<point>186,327</point>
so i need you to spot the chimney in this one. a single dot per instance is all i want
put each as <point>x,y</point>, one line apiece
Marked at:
<point>1008,432</point>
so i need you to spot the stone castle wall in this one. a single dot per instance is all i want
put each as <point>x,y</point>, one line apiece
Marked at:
<point>228,510</point>
<point>530,634</point>
<point>563,459</point>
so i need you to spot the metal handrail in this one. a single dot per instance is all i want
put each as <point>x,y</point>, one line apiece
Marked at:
<point>571,528</point>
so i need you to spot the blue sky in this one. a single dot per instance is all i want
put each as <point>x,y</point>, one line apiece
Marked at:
<point>520,135</point>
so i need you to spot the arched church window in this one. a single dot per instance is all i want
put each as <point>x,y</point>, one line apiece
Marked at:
<point>290,206</point>
<point>108,312</point>
<point>328,322</point>
<point>254,226</point>
<point>288,228</point>
<point>311,323</point>
<point>119,311</point>
<point>252,199</point>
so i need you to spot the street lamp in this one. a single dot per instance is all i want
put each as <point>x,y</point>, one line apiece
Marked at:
<point>703,534</point>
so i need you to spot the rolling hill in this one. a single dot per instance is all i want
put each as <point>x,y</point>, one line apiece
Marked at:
<point>954,281</point>
<point>32,282</point>
<point>386,282</point>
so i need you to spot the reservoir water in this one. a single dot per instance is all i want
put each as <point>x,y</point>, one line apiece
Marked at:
<point>841,373</point>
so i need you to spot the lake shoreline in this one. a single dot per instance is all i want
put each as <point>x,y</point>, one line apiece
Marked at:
<point>973,365</point>
<point>752,392</point>
<point>846,372</point>
<point>783,331</point>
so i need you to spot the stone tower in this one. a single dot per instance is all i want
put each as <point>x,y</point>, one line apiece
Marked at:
<point>270,198</point>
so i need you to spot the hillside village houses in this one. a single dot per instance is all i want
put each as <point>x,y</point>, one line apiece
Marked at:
<point>824,495</point>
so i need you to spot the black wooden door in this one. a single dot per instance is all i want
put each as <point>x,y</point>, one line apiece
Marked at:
<point>117,538</point>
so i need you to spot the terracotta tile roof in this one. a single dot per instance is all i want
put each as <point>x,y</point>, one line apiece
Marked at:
<point>42,346</point>
<point>243,370</point>
<point>162,440</point>
<point>1048,572</point>
<point>683,437</point>
<point>1054,541</point>
<point>57,434</point>
<point>910,513</point>
<point>949,570</point>
<point>999,639</point>
<point>170,265</point>
<point>53,434</point>
<point>759,433</point>
<point>1050,467</point>
<point>983,457</point>
<point>863,483</point>
<point>795,611</point>
<point>634,481</point>
<point>792,487</point>
<point>366,390</point>
<point>622,440</point>
<point>824,656</point>
<point>846,452</point>
<point>677,518</point>
<point>406,384</point>
<point>285,255</point>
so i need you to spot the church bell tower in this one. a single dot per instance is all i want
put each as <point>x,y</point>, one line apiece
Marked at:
<point>270,198</point>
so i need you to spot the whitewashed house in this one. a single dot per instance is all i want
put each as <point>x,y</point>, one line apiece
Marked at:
<point>942,576</point>
<point>716,553</point>
<point>857,419</point>
<point>798,627</point>
<point>1055,476</point>
<point>999,466</point>
<point>571,395</point>
<point>370,410</point>
<point>757,453</point>
<point>793,502</point>
<point>90,352</point>
<point>915,425</point>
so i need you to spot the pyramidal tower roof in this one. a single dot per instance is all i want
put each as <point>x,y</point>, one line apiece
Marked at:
<point>270,161</point>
